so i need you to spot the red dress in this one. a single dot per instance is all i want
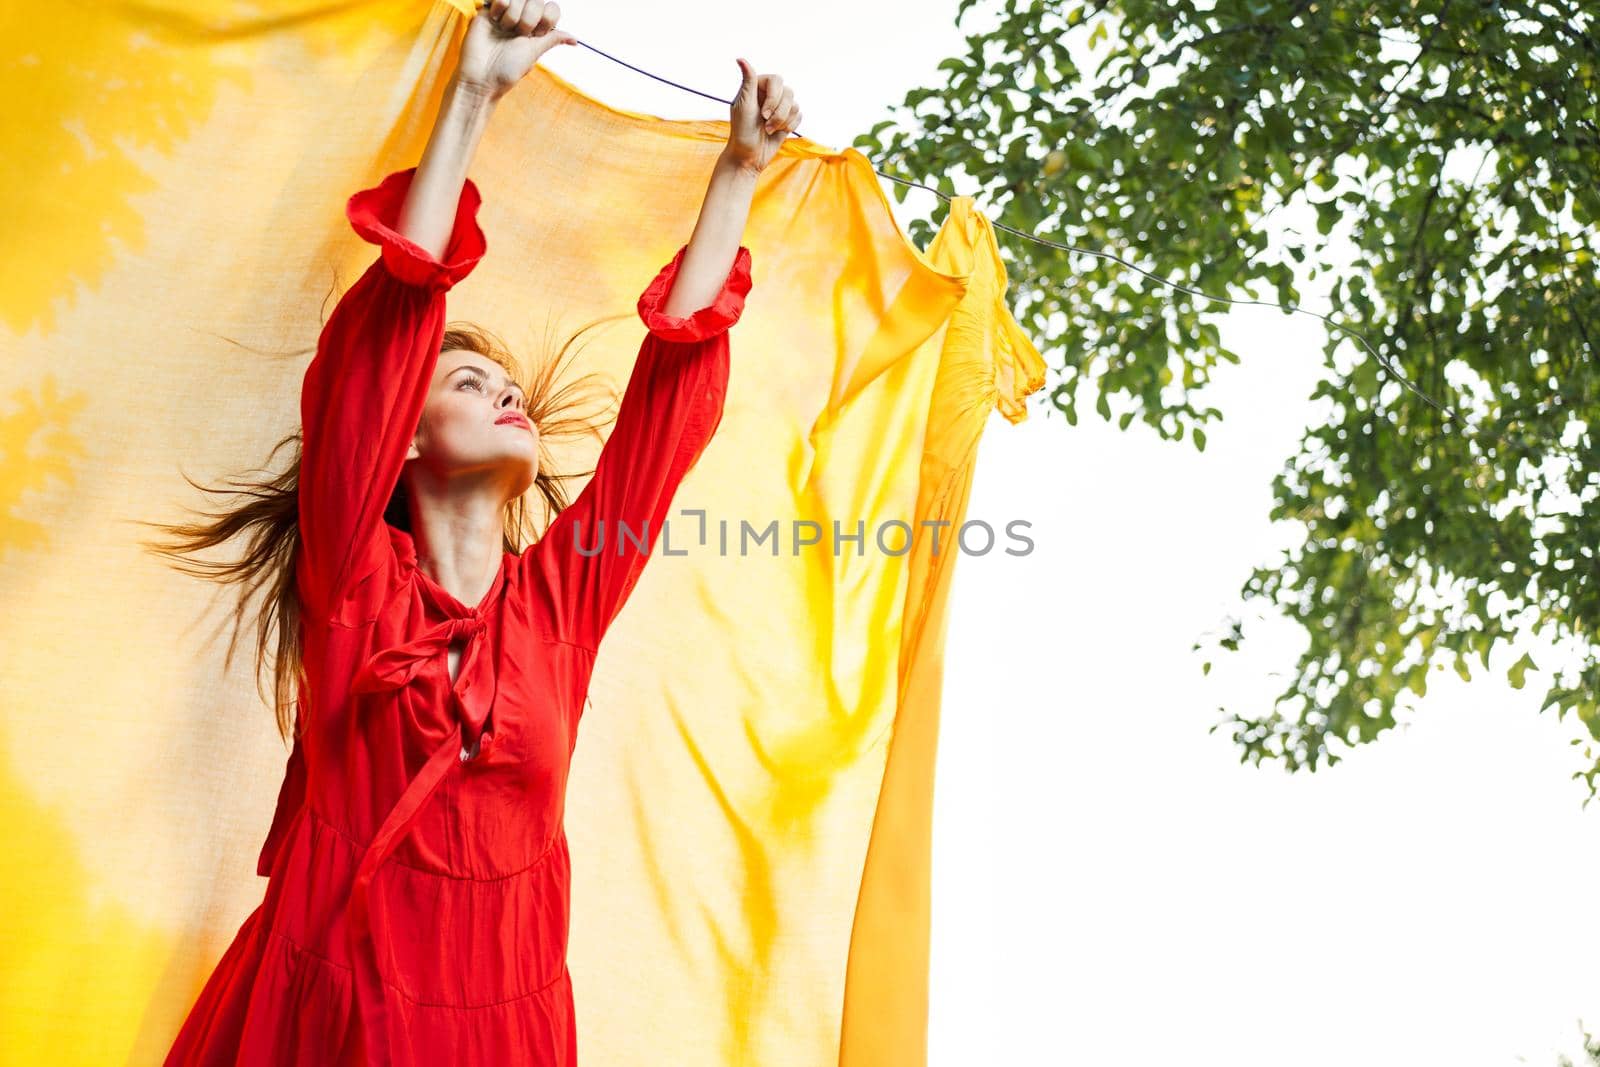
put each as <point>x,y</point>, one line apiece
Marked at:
<point>417,904</point>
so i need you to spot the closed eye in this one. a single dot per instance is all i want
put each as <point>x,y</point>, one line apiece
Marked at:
<point>478,381</point>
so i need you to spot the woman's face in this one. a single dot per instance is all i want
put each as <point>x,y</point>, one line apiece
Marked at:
<point>474,425</point>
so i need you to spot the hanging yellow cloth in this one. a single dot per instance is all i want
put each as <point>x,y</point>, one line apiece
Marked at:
<point>750,800</point>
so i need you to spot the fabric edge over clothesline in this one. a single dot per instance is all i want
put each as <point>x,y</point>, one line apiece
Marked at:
<point>885,1011</point>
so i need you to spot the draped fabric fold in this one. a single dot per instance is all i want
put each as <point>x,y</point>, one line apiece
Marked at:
<point>749,806</point>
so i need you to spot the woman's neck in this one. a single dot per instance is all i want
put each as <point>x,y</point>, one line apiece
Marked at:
<point>460,537</point>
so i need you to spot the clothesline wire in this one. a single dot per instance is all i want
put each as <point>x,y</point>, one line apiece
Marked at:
<point>1383,362</point>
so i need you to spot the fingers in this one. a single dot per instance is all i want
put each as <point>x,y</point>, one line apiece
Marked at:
<point>777,109</point>
<point>525,18</point>
<point>771,86</point>
<point>538,18</point>
<point>786,115</point>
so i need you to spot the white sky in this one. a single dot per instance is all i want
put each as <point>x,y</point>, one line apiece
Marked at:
<point>1111,886</point>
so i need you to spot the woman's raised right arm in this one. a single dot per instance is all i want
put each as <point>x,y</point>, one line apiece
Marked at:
<point>503,42</point>
<point>427,217</point>
<point>364,390</point>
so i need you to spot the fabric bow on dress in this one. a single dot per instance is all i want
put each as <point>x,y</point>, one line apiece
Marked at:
<point>472,697</point>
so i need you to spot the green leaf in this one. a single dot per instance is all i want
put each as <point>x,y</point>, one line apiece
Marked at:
<point>1518,673</point>
<point>1327,216</point>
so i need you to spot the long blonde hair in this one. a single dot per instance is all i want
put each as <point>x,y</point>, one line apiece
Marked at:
<point>267,517</point>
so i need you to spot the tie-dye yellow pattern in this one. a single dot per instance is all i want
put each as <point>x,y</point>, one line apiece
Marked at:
<point>749,803</point>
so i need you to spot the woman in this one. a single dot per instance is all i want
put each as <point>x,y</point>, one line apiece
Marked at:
<point>417,904</point>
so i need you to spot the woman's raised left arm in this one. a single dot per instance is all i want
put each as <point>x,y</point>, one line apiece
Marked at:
<point>762,114</point>
<point>673,401</point>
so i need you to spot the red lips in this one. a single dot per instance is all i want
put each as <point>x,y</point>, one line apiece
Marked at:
<point>515,418</point>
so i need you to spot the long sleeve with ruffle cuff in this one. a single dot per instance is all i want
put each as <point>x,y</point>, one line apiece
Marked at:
<point>364,390</point>
<point>590,558</point>
<point>375,213</point>
<point>716,317</point>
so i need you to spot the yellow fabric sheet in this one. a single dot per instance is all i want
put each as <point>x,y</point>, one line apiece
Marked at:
<point>749,808</point>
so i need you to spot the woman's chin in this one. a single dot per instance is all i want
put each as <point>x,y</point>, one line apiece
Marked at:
<point>521,453</point>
